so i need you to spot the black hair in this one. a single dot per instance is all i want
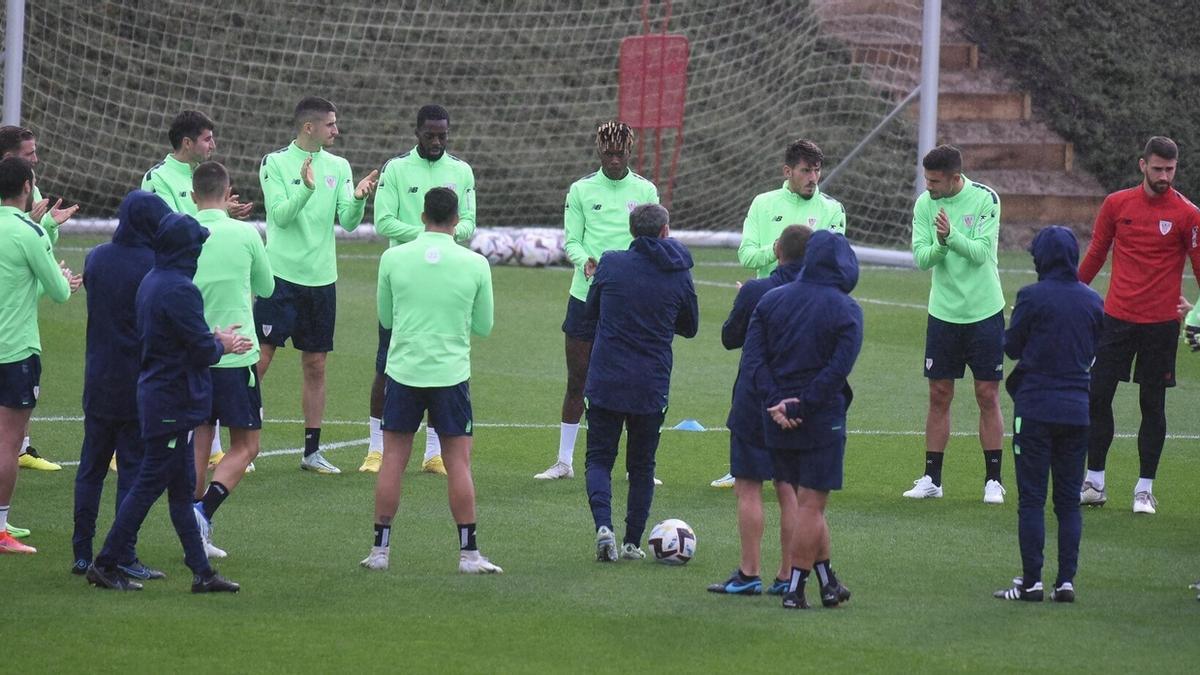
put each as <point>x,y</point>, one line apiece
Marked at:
<point>1160,146</point>
<point>803,149</point>
<point>946,158</point>
<point>614,134</point>
<point>188,124</point>
<point>14,173</point>
<point>310,107</point>
<point>432,112</point>
<point>441,205</point>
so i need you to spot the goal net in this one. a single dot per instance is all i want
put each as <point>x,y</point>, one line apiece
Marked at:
<point>526,83</point>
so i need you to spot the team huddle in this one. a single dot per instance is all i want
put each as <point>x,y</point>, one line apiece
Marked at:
<point>187,308</point>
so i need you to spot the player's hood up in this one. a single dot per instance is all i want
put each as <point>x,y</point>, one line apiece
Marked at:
<point>829,261</point>
<point>1055,254</point>
<point>178,242</point>
<point>138,218</point>
<point>667,255</point>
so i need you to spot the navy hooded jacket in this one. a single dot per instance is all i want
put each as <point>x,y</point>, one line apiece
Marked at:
<point>803,341</point>
<point>744,419</point>
<point>111,275</point>
<point>641,298</point>
<point>174,388</point>
<point>1053,333</point>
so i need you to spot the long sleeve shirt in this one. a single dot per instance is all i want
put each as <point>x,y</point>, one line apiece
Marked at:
<point>171,180</point>
<point>27,267</point>
<point>596,219</point>
<point>232,269</point>
<point>771,212</point>
<point>400,197</point>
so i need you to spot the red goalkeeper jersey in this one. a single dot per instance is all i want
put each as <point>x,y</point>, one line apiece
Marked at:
<point>1149,237</point>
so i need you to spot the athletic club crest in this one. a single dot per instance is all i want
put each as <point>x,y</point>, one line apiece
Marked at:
<point>631,206</point>
<point>331,181</point>
<point>812,223</point>
<point>1164,226</point>
<point>928,364</point>
<point>453,187</point>
<point>969,221</point>
<point>266,329</point>
<point>432,255</point>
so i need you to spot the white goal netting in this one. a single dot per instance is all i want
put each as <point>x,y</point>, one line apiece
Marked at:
<point>525,82</point>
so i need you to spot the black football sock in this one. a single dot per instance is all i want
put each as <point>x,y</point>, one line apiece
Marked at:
<point>466,537</point>
<point>383,535</point>
<point>991,459</point>
<point>312,440</point>
<point>213,496</point>
<point>824,572</point>
<point>799,576</point>
<point>933,466</point>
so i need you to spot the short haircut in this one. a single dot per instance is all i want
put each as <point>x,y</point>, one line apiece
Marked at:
<point>441,205</point>
<point>432,112</point>
<point>210,180</point>
<point>803,149</point>
<point>12,137</point>
<point>1161,146</point>
<point>188,124</point>
<point>311,107</point>
<point>614,134</point>
<point>647,220</point>
<point>14,173</point>
<point>793,241</point>
<point>945,158</point>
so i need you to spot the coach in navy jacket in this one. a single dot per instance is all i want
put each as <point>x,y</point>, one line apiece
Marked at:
<point>174,395</point>
<point>641,298</point>
<point>112,273</point>
<point>1053,333</point>
<point>803,341</point>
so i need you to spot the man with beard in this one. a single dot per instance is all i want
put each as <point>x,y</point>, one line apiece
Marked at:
<point>1151,228</point>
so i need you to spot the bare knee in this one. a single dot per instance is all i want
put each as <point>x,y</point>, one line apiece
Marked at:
<point>941,393</point>
<point>987,395</point>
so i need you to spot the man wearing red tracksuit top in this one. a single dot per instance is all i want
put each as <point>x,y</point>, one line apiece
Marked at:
<point>1151,228</point>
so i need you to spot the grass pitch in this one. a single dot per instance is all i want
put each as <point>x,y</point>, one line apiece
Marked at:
<point>922,572</point>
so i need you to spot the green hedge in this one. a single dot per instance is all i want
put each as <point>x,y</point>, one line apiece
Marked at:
<point>1106,74</point>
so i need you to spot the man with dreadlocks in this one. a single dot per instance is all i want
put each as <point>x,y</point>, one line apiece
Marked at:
<point>596,220</point>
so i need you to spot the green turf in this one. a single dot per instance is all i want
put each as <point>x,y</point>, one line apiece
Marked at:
<point>922,572</point>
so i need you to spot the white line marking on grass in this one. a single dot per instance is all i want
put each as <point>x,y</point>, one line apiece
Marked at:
<point>869,301</point>
<point>284,451</point>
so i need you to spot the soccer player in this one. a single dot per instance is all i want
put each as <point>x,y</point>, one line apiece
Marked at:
<point>305,187</point>
<point>749,459</point>
<point>21,142</point>
<point>639,299</point>
<point>433,295</point>
<point>801,346</point>
<point>27,269</point>
<point>799,200</point>
<point>232,269</point>
<point>596,220</point>
<point>956,228</point>
<point>174,395</point>
<point>1151,228</point>
<point>398,203</point>
<point>192,142</point>
<point>111,274</point>
<point>1053,333</point>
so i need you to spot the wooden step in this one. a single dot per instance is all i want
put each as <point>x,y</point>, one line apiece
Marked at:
<point>907,56</point>
<point>988,105</point>
<point>1048,197</point>
<point>1050,209</point>
<point>1058,156</point>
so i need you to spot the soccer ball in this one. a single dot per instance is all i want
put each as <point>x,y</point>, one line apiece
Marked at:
<point>535,250</point>
<point>673,542</point>
<point>497,247</point>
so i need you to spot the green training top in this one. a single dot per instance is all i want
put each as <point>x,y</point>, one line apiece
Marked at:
<point>596,219</point>
<point>772,211</point>
<point>48,223</point>
<point>26,267</point>
<point>300,239</point>
<point>1193,317</point>
<point>171,179</point>
<point>233,268</point>
<point>400,197</point>
<point>433,294</point>
<point>966,275</point>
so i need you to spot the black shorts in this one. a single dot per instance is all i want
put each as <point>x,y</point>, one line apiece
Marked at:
<point>20,382</point>
<point>576,325</point>
<point>237,399</point>
<point>449,408</point>
<point>385,340</point>
<point>951,347</point>
<point>305,314</point>
<point>749,460</point>
<point>815,468</point>
<point>1153,344</point>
